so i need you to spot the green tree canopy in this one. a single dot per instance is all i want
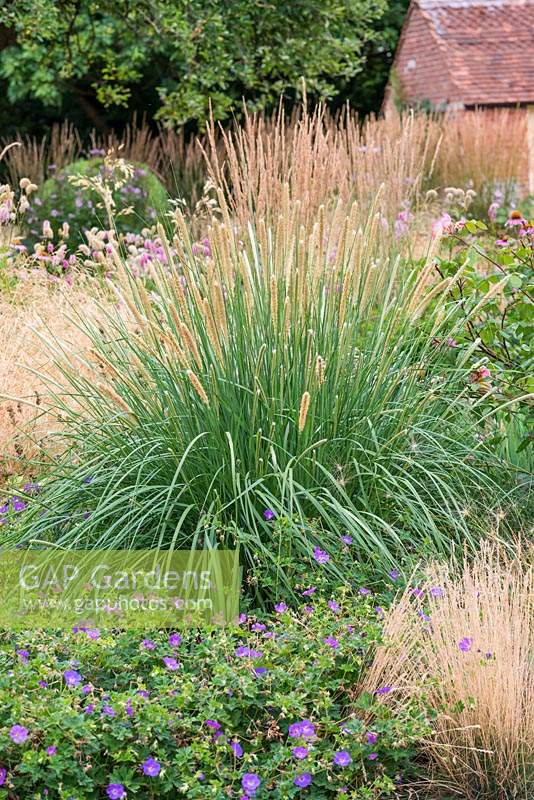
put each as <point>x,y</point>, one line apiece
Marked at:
<point>181,55</point>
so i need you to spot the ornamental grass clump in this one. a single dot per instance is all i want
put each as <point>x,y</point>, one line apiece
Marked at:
<point>468,635</point>
<point>292,369</point>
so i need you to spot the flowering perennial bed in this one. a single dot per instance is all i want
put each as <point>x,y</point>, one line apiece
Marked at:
<point>268,708</point>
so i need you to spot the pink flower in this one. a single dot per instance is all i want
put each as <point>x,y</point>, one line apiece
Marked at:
<point>479,374</point>
<point>492,211</point>
<point>515,218</point>
<point>441,225</point>
<point>402,223</point>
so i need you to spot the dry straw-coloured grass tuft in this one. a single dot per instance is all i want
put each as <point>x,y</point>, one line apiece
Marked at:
<point>485,149</point>
<point>34,156</point>
<point>36,311</point>
<point>475,659</point>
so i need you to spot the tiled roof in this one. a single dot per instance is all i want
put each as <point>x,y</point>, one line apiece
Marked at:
<point>485,46</point>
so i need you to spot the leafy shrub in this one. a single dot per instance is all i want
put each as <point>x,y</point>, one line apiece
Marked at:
<point>275,698</point>
<point>498,280</point>
<point>61,200</point>
<point>265,375</point>
<point>495,299</point>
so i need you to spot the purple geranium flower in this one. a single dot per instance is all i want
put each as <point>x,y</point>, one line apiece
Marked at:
<point>295,730</point>
<point>372,756</point>
<point>346,539</point>
<point>372,738</point>
<point>384,690</point>
<point>175,640</point>
<point>72,678</point>
<point>320,556</point>
<point>23,655</point>
<point>51,751</point>
<point>250,782</point>
<point>394,574</point>
<point>280,608</point>
<point>303,780</point>
<point>171,663</point>
<point>300,752</point>
<point>342,758</point>
<point>333,605</point>
<point>116,791</point>
<point>148,644</point>
<point>108,711</point>
<point>247,652</point>
<point>331,642</point>
<point>362,590</point>
<point>151,767</point>
<point>304,730</point>
<point>437,591</point>
<point>236,748</point>
<point>3,775</point>
<point>268,514</point>
<point>307,729</point>
<point>212,723</point>
<point>307,592</point>
<point>19,734</point>
<point>465,644</point>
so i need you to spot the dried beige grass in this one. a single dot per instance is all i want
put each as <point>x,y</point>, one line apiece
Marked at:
<point>319,162</point>
<point>36,308</point>
<point>483,695</point>
<point>60,147</point>
<point>484,149</point>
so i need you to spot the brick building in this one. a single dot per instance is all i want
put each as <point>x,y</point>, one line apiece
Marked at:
<point>464,54</point>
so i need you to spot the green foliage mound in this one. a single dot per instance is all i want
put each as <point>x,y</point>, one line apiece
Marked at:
<point>61,200</point>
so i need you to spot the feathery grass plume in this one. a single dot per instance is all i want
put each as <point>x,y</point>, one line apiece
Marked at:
<point>108,391</point>
<point>219,307</point>
<point>318,160</point>
<point>274,300</point>
<point>199,389</point>
<point>475,658</point>
<point>190,343</point>
<point>303,410</point>
<point>211,330</point>
<point>31,160</point>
